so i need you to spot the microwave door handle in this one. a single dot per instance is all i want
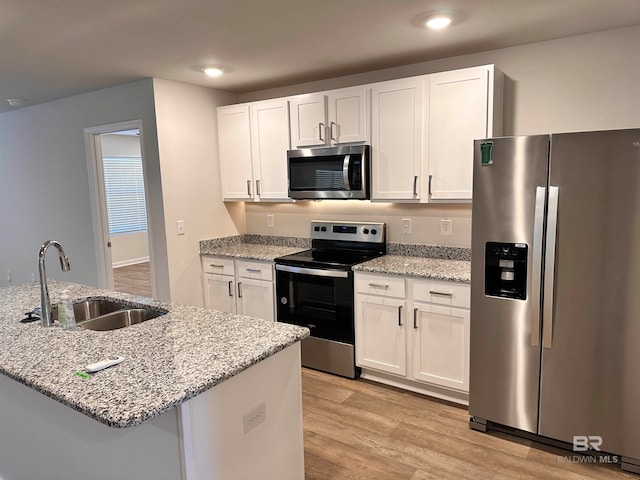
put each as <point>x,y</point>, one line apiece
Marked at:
<point>345,172</point>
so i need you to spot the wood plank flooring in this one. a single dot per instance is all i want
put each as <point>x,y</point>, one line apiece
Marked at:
<point>134,279</point>
<point>358,429</point>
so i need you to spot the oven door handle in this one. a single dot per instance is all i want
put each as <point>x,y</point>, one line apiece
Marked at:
<point>313,271</point>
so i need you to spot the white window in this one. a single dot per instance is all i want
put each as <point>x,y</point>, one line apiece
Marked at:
<point>124,188</point>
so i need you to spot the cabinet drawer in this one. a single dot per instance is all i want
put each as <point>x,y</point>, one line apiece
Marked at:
<point>441,293</point>
<point>257,270</point>
<point>218,265</point>
<point>381,285</point>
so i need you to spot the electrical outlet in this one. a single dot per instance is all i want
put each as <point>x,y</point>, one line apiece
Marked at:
<point>180,227</point>
<point>254,417</point>
<point>406,226</point>
<point>270,221</point>
<point>33,277</point>
<point>9,276</point>
<point>445,228</point>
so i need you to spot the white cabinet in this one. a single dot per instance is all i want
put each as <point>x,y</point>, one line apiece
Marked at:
<point>396,140</point>
<point>461,109</point>
<point>239,286</point>
<point>415,331</point>
<point>234,141</point>
<point>308,120</point>
<point>423,130</point>
<point>349,115</point>
<point>253,140</point>
<point>381,334</point>
<point>330,118</point>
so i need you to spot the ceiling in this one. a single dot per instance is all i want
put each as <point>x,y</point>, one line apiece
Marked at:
<point>54,49</point>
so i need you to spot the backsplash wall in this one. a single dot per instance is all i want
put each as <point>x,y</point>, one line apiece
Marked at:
<point>292,219</point>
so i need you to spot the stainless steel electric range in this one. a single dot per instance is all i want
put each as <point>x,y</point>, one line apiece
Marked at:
<point>314,289</point>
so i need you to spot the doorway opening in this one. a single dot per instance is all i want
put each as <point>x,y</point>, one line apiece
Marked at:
<point>123,236</point>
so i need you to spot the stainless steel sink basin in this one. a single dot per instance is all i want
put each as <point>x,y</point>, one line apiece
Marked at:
<point>102,314</point>
<point>119,319</point>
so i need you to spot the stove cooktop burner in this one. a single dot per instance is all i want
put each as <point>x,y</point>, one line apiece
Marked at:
<point>327,259</point>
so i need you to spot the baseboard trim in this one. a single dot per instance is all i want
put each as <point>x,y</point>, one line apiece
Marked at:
<point>131,261</point>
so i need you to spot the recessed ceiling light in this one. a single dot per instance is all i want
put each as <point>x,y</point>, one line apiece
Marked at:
<point>15,102</point>
<point>213,71</point>
<point>439,22</point>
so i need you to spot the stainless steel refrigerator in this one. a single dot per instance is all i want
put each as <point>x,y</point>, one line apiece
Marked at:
<point>555,289</point>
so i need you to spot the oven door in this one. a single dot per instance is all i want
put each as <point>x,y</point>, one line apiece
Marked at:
<point>321,300</point>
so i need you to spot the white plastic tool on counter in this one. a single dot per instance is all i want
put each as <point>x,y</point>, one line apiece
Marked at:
<point>102,364</point>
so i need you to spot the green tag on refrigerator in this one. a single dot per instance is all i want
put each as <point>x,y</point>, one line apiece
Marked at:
<point>485,151</point>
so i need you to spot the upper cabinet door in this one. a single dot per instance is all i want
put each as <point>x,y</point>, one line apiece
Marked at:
<point>308,120</point>
<point>269,145</point>
<point>349,113</point>
<point>234,140</point>
<point>396,139</point>
<point>459,112</point>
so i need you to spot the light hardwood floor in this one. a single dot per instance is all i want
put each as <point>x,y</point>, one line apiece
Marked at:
<point>135,279</point>
<point>357,429</point>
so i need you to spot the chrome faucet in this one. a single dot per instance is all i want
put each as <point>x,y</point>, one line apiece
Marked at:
<point>45,301</point>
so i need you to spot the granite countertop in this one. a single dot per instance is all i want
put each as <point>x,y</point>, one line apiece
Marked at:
<point>251,251</point>
<point>419,267</point>
<point>168,360</point>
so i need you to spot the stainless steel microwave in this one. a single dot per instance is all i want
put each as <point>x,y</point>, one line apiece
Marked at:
<point>332,172</point>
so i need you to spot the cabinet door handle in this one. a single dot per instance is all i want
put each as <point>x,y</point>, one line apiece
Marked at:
<point>249,188</point>
<point>239,289</point>
<point>415,186</point>
<point>215,265</point>
<point>415,318</point>
<point>258,188</point>
<point>444,294</point>
<point>430,177</point>
<point>320,128</point>
<point>333,137</point>
<point>230,289</point>
<point>253,270</point>
<point>378,285</point>
<point>399,315</point>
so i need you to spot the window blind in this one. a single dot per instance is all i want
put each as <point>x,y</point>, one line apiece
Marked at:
<point>124,188</point>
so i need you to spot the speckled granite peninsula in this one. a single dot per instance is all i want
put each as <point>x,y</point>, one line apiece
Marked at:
<point>171,364</point>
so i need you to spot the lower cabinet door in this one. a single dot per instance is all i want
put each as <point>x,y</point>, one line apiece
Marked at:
<point>255,298</point>
<point>440,348</point>
<point>381,334</point>
<point>219,293</point>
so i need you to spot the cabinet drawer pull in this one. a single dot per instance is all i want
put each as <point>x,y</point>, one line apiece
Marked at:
<point>379,285</point>
<point>399,315</point>
<point>215,265</point>
<point>415,318</point>
<point>230,289</point>
<point>253,270</point>
<point>239,289</point>
<point>444,294</point>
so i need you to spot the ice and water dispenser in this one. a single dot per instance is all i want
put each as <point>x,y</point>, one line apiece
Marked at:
<point>505,272</point>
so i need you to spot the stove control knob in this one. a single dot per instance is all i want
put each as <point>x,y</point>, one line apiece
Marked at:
<point>365,231</point>
<point>324,229</point>
<point>373,231</point>
<point>317,229</point>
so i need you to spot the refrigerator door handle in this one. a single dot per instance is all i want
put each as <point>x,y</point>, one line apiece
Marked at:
<point>549,268</point>
<point>538,225</point>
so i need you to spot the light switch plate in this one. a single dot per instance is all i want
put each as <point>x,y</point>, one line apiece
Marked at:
<point>406,226</point>
<point>270,221</point>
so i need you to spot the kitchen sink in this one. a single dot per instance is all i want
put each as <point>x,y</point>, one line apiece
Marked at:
<point>102,314</point>
<point>119,319</point>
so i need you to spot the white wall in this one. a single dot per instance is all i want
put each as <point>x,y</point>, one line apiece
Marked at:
<point>126,248</point>
<point>44,184</point>
<point>586,82</point>
<point>188,146</point>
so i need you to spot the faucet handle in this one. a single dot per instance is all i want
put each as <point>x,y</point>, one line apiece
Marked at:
<point>30,317</point>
